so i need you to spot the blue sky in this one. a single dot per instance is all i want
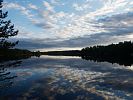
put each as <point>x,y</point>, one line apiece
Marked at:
<point>70,24</point>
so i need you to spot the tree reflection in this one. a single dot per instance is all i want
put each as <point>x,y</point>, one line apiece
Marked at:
<point>121,61</point>
<point>6,78</point>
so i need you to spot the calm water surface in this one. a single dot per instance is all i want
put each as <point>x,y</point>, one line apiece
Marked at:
<point>64,78</point>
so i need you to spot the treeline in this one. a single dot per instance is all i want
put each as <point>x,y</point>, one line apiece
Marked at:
<point>121,53</point>
<point>17,54</point>
<point>63,53</point>
<point>14,54</point>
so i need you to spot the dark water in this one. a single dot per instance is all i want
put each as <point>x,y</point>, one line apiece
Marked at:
<point>64,78</point>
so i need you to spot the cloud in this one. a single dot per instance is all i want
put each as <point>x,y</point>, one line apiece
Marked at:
<point>117,28</point>
<point>71,44</point>
<point>70,25</point>
<point>77,7</point>
<point>80,7</point>
<point>31,6</point>
<point>42,24</point>
<point>16,6</point>
<point>108,7</point>
<point>55,2</point>
<point>82,27</point>
<point>117,22</point>
<point>48,6</point>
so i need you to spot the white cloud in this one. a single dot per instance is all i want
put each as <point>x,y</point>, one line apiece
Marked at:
<point>131,3</point>
<point>55,1</point>
<point>23,9</point>
<point>11,5</point>
<point>80,7</point>
<point>77,7</point>
<point>108,8</point>
<point>68,25</point>
<point>48,6</point>
<point>61,14</point>
<point>31,6</point>
<point>85,24</point>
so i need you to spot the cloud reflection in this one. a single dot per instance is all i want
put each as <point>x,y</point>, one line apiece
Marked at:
<point>71,78</point>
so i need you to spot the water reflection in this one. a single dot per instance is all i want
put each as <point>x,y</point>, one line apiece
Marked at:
<point>66,78</point>
<point>6,79</point>
<point>127,61</point>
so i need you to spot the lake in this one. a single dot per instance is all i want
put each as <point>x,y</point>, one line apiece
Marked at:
<point>65,78</point>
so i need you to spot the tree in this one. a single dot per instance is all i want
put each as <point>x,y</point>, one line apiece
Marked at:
<point>6,30</point>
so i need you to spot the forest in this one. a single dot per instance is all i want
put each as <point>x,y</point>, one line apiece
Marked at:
<point>121,53</point>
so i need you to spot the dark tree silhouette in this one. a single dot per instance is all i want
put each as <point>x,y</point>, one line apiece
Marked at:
<point>6,30</point>
<point>121,53</point>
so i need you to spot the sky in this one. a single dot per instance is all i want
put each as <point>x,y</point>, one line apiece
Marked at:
<point>70,24</point>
